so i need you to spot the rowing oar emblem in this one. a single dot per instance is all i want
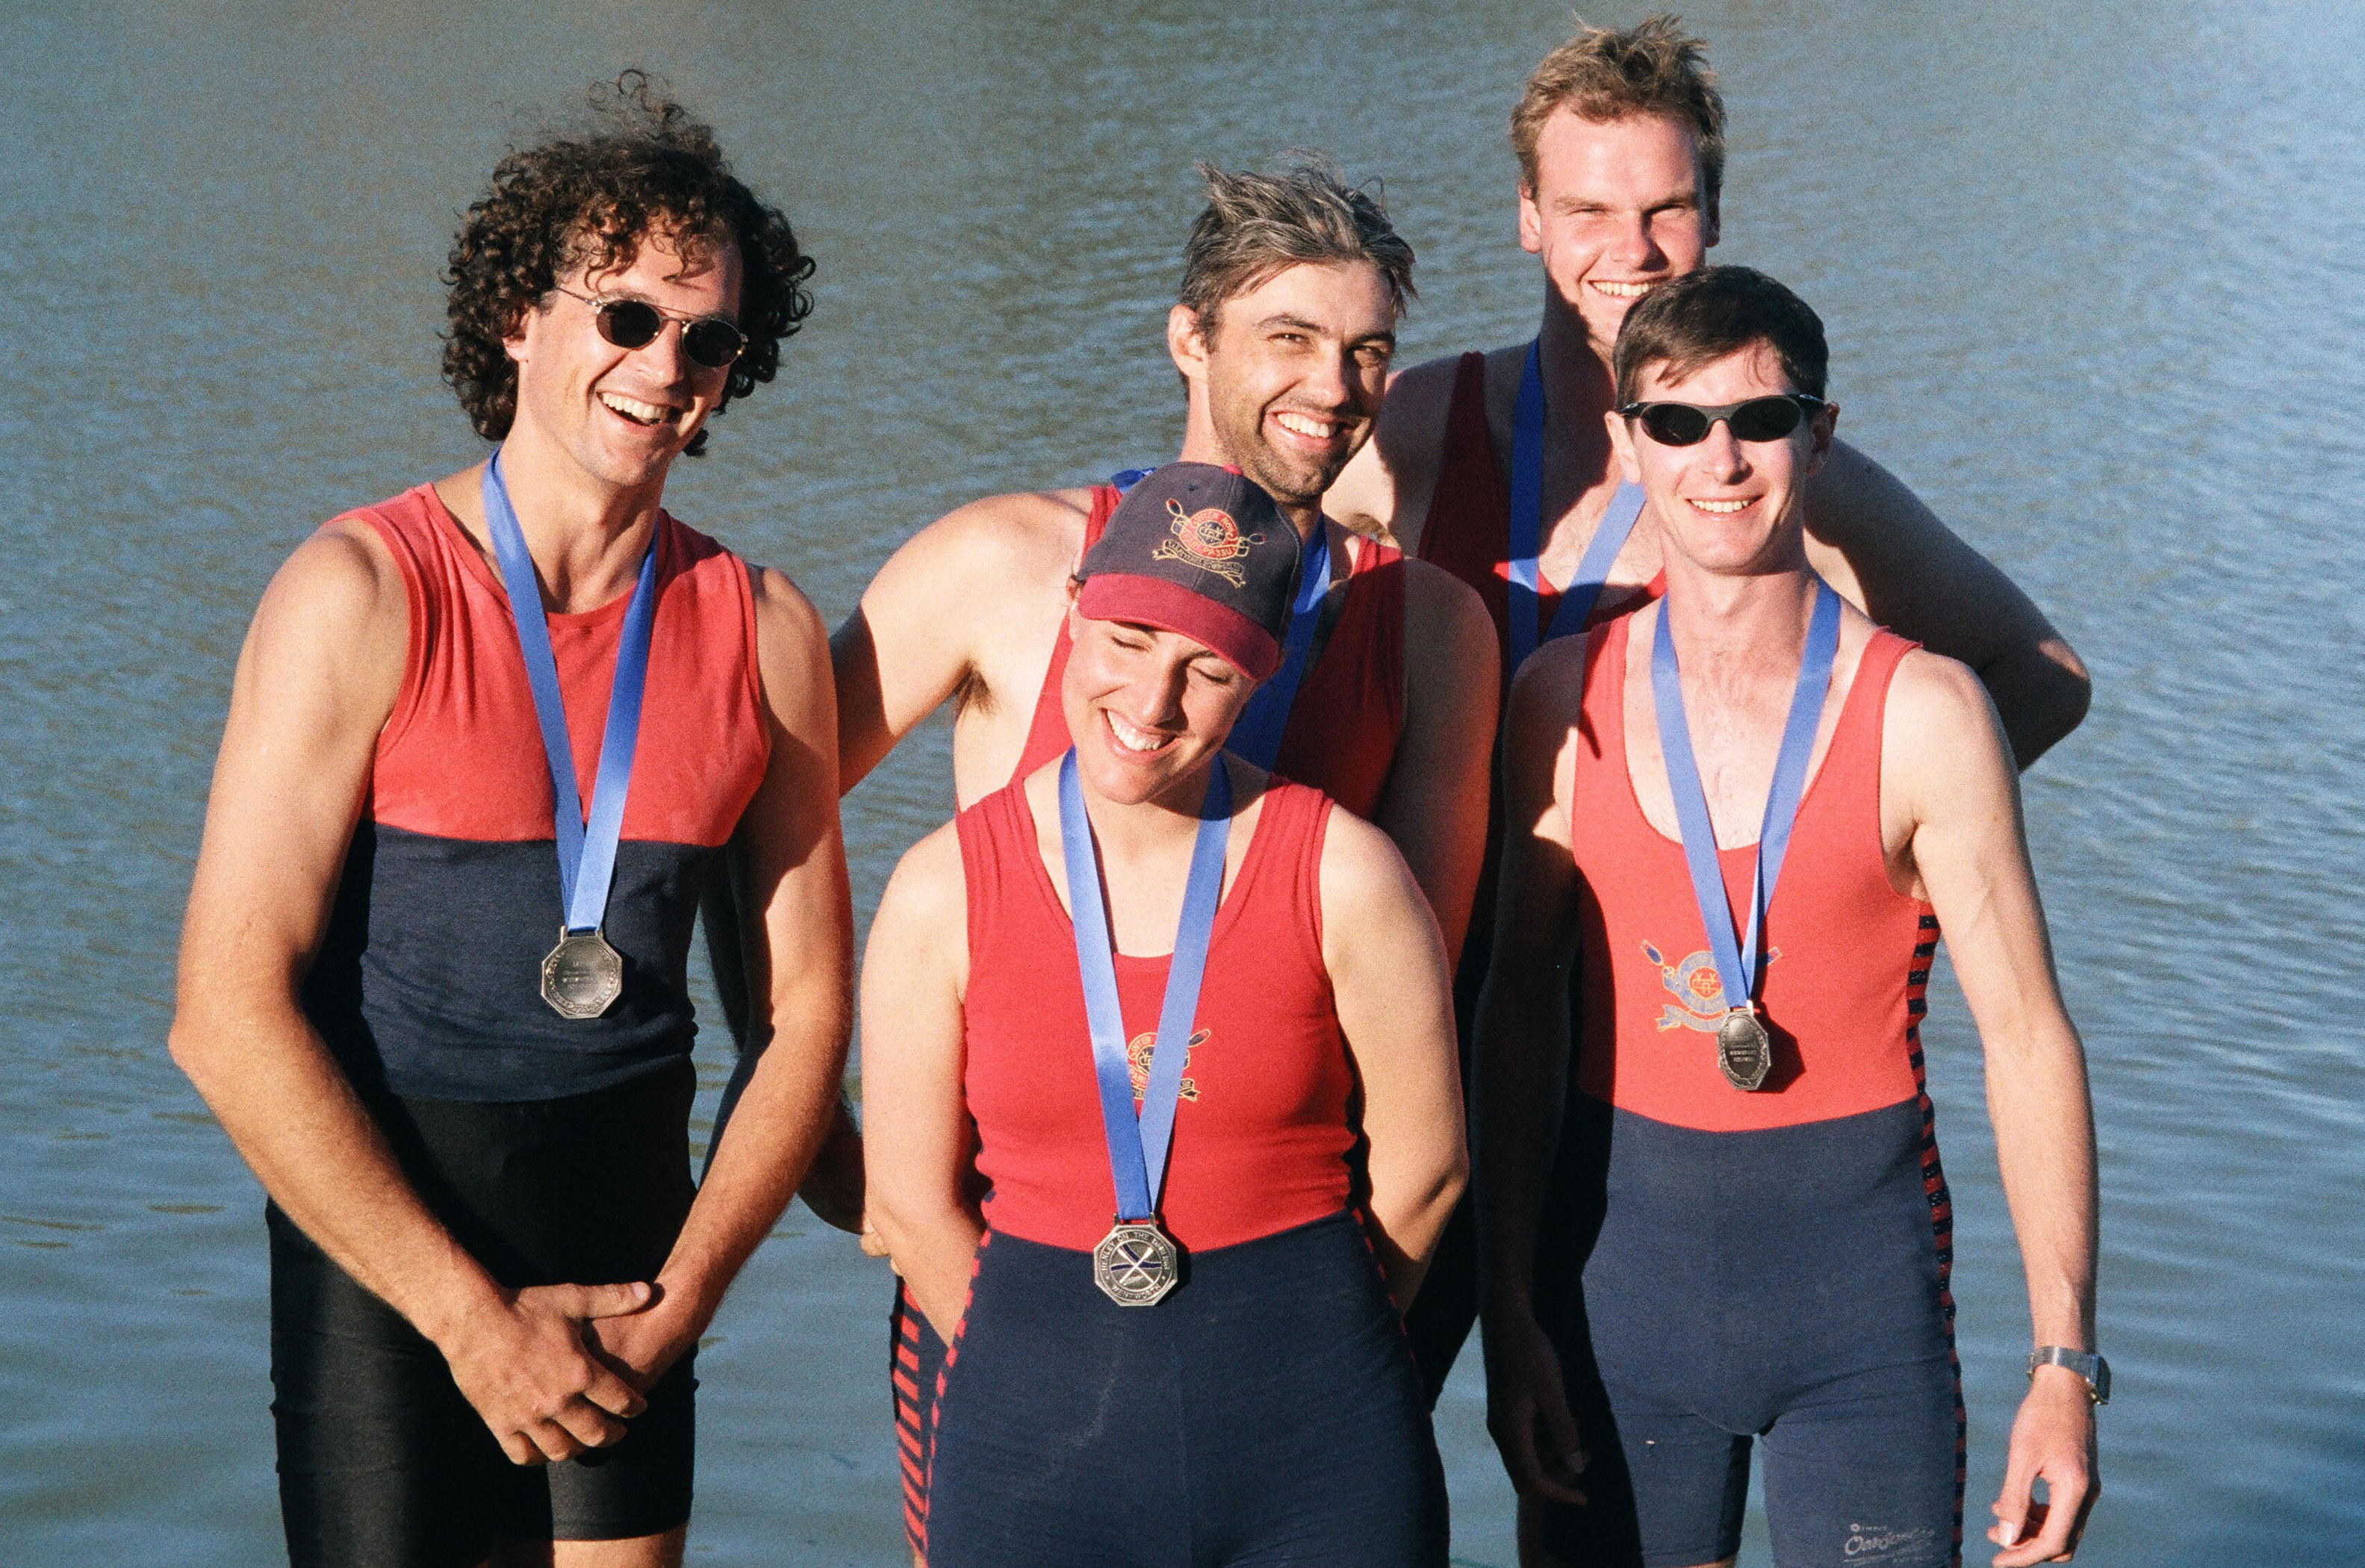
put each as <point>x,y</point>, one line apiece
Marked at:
<point>1207,539</point>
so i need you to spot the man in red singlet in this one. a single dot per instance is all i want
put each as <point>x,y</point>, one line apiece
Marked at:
<point>1746,812</point>
<point>1621,143</point>
<point>519,703</point>
<point>1292,288</point>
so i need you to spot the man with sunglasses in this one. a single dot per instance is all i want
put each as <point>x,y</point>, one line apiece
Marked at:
<point>1744,813</point>
<point>1492,464</point>
<point>519,704</point>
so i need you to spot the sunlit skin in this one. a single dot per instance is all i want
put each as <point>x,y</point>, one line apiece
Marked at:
<point>1148,707</point>
<point>1287,387</point>
<point>1617,209</point>
<point>620,416</point>
<point>1734,501</point>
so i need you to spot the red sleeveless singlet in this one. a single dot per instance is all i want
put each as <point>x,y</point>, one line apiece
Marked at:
<point>1468,531</point>
<point>1848,958</point>
<point>1260,1134</point>
<point>1349,713</point>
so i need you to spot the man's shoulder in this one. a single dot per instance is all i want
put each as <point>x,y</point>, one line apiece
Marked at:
<point>1937,714</point>
<point>1000,540</point>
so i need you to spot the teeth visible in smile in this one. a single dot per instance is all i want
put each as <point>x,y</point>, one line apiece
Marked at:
<point>1132,737</point>
<point>1720,508</point>
<point>1320,430</point>
<point>1623,290</point>
<point>633,409</point>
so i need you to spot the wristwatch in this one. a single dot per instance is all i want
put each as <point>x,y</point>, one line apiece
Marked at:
<point>2085,1363</point>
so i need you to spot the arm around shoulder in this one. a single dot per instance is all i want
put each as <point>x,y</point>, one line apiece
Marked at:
<point>1882,545</point>
<point>1385,491</point>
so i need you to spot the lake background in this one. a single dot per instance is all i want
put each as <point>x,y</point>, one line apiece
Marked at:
<point>2090,276</point>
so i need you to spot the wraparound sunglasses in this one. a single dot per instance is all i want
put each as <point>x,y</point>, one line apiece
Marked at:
<point>1755,419</point>
<point>710,342</point>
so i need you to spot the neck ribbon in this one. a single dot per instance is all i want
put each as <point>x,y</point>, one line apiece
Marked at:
<point>1584,591</point>
<point>1138,1143</point>
<point>586,854</point>
<point>1737,963</point>
<point>1256,737</point>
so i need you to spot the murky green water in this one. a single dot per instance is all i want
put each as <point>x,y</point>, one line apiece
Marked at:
<point>2090,279</point>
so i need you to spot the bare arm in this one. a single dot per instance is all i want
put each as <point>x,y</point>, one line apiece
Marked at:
<point>1886,551</point>
<point>1522,1064</point>
<point>1385,488</point>
<point>1945,748</point>
<point>915,1139</point>
<point>932,619</point>
<point>1434,805</point>
<point>1395,1007</point>
<point>316,680</point>
<point>799,987</point>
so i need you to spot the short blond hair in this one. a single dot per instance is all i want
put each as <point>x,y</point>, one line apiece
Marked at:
<point>1609,73</point>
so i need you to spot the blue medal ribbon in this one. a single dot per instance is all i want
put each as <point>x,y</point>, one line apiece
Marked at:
<point>1138,1143</point>
<point>1737,963</point>
<point>1256,736</point>
<point>1584,591</point>
<point>587,853</point>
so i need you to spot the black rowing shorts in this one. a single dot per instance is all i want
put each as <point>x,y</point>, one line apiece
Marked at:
<point>382,1462</point>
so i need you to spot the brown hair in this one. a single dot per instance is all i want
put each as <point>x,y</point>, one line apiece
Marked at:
<point>1256,225</point>
<point>1704,316</point>
<point>1609,73</point>
<point>649,169</point>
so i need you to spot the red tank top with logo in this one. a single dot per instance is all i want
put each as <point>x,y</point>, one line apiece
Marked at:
<point>1261,1137</point>
<point>1468,531</point>
<point>1349,713</point>
<point>1848,957</point>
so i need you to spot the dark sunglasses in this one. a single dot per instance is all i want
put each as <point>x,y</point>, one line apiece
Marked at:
<point>1757,418</point>
<point>708,341</point>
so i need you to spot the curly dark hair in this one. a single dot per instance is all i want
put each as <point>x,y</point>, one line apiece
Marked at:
<point>649,168</point>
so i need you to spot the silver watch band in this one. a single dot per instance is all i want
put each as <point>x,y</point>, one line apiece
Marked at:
<point>2092,1368</point>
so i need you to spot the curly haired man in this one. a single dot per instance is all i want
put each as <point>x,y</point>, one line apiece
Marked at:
<point>520,703</point>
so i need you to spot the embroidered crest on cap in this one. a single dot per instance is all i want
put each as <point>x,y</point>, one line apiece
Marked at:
<point>1207,539</point>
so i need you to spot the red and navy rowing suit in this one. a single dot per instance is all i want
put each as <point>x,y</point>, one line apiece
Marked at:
<point>1342,737</point>
<point>1768,1266</point>
<point>554,1149</point>
<point>1265,1412</point>
<point>1468,533</point>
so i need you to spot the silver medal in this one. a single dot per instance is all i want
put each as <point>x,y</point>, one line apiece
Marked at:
<point>1743,1049</point>
<point>583,976</point>
<point>1136,1265</point>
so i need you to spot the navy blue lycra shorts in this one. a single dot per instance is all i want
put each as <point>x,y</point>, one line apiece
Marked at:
<point>1265,1412</point>
<point>1784,1289</point>
<point>382,1462</point>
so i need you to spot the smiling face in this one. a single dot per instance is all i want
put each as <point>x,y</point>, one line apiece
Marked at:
<point>1728,507</point>
<point>1289,381</point>
<point>1616,211</point>
<point>1147,708</point>
<point>622,414</point>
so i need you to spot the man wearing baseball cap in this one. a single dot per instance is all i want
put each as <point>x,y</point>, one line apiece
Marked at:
<point>1154,978</point>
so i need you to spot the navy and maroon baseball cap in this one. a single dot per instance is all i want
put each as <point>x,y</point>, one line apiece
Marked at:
<point>1201,551</point>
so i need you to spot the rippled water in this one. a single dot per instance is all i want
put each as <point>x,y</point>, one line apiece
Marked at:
<point>2090,280</point>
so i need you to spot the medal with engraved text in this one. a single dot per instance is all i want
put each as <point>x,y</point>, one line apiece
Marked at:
<point>583,976</point>
<point>1744,1050</point>
<point>1136,1263</point>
